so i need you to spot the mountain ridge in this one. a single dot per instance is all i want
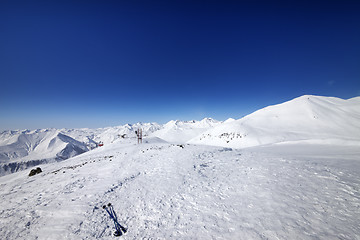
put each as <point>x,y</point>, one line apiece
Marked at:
<point>306,117</point>
<point>329,120</point>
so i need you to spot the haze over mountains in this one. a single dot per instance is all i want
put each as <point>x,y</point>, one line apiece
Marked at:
<point>315,119</point>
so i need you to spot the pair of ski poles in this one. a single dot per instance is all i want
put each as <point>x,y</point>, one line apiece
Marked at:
<point>120,230</point>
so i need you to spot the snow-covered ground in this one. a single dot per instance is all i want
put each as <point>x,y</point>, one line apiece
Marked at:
<point>312,119</point>
<point>166,191</point>
<point>297,178</point>
<point>21,149</point>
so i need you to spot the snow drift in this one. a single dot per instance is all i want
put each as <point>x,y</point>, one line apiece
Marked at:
<point>308,118</point>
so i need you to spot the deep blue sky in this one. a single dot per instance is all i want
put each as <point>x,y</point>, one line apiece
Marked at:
<point>105,63</point>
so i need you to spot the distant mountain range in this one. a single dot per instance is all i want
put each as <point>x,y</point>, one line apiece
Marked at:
<point>325,120</point>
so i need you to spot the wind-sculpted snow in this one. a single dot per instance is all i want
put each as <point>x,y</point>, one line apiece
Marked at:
<point>164,191</point>
<point>305,118</point>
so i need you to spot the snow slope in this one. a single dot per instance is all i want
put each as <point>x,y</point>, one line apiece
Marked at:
<point>41,143</point>
<point>163,191</point>
<point>314,118</point>
<point>110,134</point>
<point>23,149</point>
<point>182,131</point>
<point>307,119</point>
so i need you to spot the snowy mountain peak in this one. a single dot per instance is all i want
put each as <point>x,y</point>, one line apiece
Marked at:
<point>28,148</point>
<point>209,120</point>
<point>154,186</point>
<point>181,131</point>
<point>303,118</point>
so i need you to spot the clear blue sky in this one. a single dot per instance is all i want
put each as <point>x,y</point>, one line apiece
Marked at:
<point>105,63</point>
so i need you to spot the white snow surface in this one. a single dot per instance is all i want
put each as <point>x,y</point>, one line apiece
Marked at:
<point>324,119</point>
<point>182,131</point>
<point>165,191</point>
<point>111,134</point>
<point>312,119</point>
<point>24,148</point>
<point>289,171</point>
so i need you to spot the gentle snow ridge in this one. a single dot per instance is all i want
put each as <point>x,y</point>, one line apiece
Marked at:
<point>303,118</point>
<point>307,119</point>
<point>182,131</point>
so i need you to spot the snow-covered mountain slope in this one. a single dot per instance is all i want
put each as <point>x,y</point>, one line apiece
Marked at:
<point>23,149</point>
<point>307,118</point>
<point>163,191</point>
<point>311,119</point>
<point>182,131</point>
<point>110,134</point>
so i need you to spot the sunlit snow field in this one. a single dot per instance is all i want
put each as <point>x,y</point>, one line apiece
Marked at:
<point>164,191</point>
<point>288,171</point>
